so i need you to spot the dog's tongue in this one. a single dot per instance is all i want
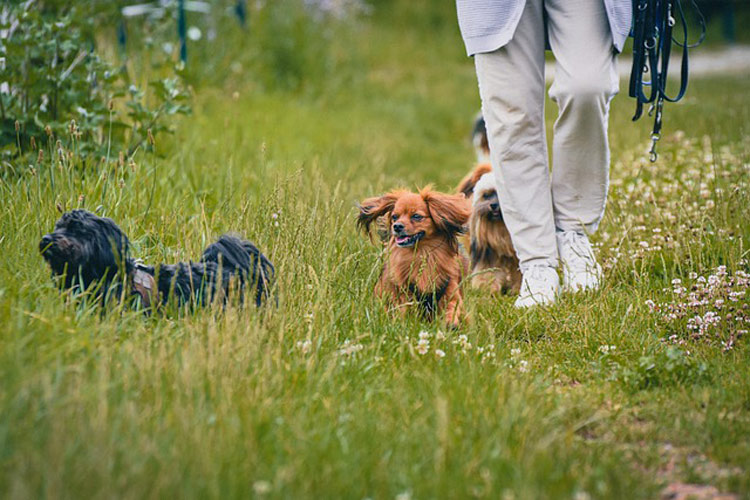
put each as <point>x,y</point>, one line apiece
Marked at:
<point>402,239</point>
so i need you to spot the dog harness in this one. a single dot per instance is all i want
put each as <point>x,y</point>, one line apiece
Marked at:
<point>142,283</point>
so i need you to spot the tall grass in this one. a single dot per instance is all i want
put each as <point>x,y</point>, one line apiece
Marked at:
<point>326,395</point>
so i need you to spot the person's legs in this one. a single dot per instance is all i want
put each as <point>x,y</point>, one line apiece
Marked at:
<point>511,85</point>
<point>585,81</point>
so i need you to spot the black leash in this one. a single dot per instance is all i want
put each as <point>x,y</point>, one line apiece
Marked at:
<point>653,23</point>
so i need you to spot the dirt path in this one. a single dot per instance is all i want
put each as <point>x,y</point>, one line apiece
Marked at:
<point>731,60</point>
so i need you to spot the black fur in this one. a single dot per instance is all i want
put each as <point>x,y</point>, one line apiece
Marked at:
<point>429,301</point>
<point>85,250</point>
<point>243,259</point>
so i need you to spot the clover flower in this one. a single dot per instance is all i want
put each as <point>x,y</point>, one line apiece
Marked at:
<point>349,349</point>
<point>714,310</point>
<point>304,346</point>
<point>261,487</point>
<point>606,349</point>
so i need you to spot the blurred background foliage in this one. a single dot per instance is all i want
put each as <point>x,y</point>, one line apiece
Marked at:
<point>106,72</point>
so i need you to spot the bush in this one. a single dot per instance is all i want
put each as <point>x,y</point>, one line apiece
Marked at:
<point>664,368</point>
<point>53,81</point>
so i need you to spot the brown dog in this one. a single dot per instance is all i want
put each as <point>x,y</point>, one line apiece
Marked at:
<point>493,259</point>
<point>423,266</point>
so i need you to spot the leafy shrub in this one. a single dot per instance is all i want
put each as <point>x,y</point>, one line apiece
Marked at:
<point>52,81</point>
<point>664,368</point>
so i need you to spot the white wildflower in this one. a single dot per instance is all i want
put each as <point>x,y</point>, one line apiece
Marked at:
<point>348,348</point>
<point>261,487</point>
<point>304,346</point>
<point>194,33</point>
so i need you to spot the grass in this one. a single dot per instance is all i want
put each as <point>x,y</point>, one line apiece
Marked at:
<point>235,404</point>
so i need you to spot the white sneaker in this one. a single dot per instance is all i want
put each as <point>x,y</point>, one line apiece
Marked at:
<point>539,286</point>
<point>580,269</point>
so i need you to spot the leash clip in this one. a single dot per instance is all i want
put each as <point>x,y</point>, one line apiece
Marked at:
<point>653,155</point>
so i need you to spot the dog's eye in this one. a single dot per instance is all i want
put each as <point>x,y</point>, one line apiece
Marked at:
<point>417,217</point>
<point>394,217</point>
<point>487,195</point>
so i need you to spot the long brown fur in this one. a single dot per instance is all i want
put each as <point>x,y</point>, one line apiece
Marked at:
<point>494,263</point>
<point>429,273</point>
<point>466,186</point>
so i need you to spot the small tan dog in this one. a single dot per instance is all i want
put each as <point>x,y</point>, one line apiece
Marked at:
<point>494,263</point>
<point>423,266</point>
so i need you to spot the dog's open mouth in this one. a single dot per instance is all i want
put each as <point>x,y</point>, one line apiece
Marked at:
<point>409,240</point>
<point>495,215</point>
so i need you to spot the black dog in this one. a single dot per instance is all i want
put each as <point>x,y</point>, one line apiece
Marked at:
<point>85,250</point>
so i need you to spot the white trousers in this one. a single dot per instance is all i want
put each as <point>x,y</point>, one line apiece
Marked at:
<point>511,85</point>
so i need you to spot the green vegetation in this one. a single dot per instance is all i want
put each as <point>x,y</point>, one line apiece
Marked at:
<point>602,396</point>
<point>57,85</point>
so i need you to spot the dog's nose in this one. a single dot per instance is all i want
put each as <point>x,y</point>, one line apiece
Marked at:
<point>45,243</point>
<point>398,227</point>
<point>494,206</point>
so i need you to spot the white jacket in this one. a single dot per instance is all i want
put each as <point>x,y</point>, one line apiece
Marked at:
<point>487,25</point>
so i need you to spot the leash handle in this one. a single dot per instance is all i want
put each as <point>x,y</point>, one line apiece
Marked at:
<point>653,24</point>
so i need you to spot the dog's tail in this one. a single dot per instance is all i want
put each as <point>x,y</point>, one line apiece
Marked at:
<point>242,258</point>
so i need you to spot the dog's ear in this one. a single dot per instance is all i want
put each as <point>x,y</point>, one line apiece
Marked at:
<point>119,243</point>
<point>466,186</point>
<point>449,212</point>
<point>372,208</point>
